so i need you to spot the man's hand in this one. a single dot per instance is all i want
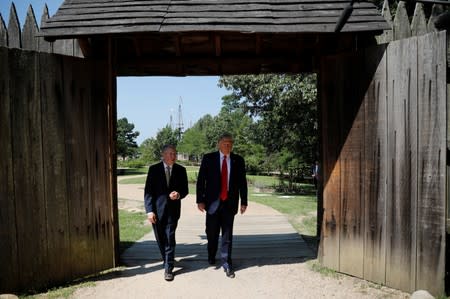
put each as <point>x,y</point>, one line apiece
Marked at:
<point>201,206</point>
<point>243,209</point>
<point>174,195</point>
<point>151,217</point>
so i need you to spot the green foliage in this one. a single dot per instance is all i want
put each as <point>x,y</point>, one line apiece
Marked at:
<point>285,110</point>
<point>151,148</point>
<point>126,139</point>
<point>134,163</point>
<point>194,143</point>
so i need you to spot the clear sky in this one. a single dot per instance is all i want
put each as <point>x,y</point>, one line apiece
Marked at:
<point>148,102</point>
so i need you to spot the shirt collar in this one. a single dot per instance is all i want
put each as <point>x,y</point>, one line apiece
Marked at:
<point>221,155</point>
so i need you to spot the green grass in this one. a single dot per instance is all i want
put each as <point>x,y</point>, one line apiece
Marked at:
<point>261,181</point>
<point>138,180</point>
<point>300,209</point>
<point>61,292</point>
<point>132,227</point>
<point>315,266</point>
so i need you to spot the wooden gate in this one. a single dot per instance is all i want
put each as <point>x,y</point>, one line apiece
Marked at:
<point>384,162</point>
<point>56,222</point>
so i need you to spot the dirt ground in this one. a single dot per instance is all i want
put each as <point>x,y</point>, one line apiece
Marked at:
<point>268,278</point>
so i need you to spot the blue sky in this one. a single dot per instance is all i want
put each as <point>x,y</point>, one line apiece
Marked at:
<point>148,102</point>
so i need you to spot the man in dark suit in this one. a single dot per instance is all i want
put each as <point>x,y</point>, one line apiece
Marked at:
<point>221,181</point>
<point>165,186</point>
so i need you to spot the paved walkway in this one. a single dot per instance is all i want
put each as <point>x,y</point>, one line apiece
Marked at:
<point>260,233</point>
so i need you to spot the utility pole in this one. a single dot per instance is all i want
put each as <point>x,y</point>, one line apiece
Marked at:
<point>180,125</point>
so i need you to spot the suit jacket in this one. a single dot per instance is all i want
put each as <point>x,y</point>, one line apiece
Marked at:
<point>208,181</point>
<point>156,194</point>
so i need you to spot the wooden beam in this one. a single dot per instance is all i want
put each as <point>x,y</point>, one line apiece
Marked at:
<point>258,44</point>
<point>137,46</point>
<point>178,45</point>
<point>218,45</point>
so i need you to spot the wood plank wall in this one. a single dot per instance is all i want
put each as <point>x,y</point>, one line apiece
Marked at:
<point>384,140</point>
<point>56,212</point>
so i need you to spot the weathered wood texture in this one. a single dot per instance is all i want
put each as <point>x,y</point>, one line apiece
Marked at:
<point>385,163</point>
<point>401,27</point>
<point>56,221</point>
<point>195,37</point>
<point>80,17</point>
<point>29,39</point>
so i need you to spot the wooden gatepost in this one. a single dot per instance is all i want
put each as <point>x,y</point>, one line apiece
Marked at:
<point>385,166</point>
<point>56,223</point>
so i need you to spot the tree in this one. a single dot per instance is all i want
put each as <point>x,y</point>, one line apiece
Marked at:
<point>151,148</point>
<point>285,107</point>
<point>126,139</point>
<point>194,143</point>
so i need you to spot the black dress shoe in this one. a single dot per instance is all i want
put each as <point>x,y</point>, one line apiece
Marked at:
<point>229,272</point>
<point>168,275</point>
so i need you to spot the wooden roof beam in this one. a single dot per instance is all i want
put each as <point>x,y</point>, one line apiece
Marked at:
<point>182,65</point>
<point>137,47</point>
<point>218,45</point>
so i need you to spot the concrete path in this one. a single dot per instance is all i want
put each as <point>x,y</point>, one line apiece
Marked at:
<point>260,233</point>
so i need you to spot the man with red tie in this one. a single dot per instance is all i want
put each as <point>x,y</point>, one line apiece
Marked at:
<point>221,181</point>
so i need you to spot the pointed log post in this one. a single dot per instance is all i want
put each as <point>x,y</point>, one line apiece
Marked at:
<point>402,28</point>
<point>387,34</point>
<point>419,22</point>
<point>3,33</point>
<point>14,39</point>
<point>43,45</point>
<point>30,30</point>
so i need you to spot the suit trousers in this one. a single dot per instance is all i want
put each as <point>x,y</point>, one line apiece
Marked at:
<point>221,220</point>
<point>165,237</point>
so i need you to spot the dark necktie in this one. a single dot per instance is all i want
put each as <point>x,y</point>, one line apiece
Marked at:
<point>167,175</point>
<point>224,180</point>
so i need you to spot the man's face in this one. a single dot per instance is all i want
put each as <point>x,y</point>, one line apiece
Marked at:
<point>169,156</point>
<point>226,145</point>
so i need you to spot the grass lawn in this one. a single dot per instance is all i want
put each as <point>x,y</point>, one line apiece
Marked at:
<point>132,227</point>
<point>301,210</point>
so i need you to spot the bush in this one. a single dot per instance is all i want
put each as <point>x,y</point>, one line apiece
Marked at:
<point>135,163</point>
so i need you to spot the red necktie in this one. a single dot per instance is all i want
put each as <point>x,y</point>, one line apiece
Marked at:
<point>224,180</point>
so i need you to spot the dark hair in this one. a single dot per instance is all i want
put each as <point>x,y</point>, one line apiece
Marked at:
<point>225,135</point>
<point>167,146</point>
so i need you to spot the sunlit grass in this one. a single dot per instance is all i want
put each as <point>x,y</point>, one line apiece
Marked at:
<point>132,227</point>
<point>300,210</point>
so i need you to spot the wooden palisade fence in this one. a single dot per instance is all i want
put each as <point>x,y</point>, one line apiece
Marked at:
<point>28,39</point>
<point>56,221</point>
<point>385,162</point>
<point>384,144</point>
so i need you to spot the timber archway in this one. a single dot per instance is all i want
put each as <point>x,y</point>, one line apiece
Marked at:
<point>377,126</point>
